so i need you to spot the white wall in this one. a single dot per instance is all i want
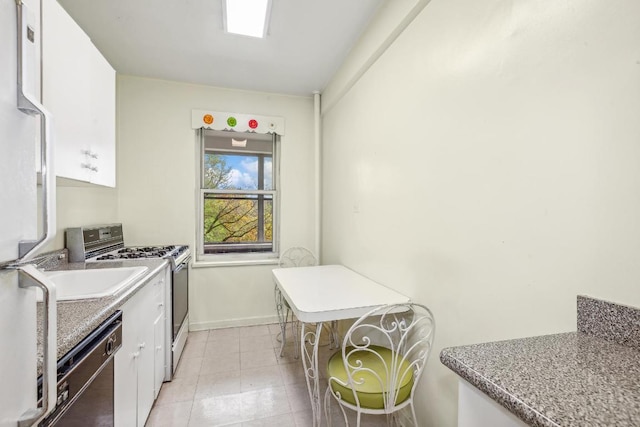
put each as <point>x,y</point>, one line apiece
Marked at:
<point>156,173</point>
<point>487,166</point>
<point>79,204</point>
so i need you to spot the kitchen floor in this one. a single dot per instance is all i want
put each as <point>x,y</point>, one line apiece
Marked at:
<point>234,377</point>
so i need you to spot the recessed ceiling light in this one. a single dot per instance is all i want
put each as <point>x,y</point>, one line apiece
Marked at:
<point>246,17</point>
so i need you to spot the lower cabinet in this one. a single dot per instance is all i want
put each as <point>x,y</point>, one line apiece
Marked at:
<point>140,360</point>
<point>476,409</point>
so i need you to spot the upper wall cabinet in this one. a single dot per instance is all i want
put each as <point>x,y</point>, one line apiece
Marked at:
<point>79,89</point>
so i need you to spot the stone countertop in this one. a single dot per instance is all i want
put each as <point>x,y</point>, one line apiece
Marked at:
<point>77,318</point>
<point>579,378</point>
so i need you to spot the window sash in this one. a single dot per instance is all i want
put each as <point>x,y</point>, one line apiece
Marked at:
<point>255,251</point>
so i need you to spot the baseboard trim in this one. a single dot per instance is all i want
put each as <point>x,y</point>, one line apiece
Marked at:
<point>231,323</point>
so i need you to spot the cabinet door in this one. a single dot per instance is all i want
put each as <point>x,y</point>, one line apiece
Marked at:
<point>126,369</point>
<point>66,52</point>
<point>79,91</point>
<point>146,341</point>
<point>103,121</point>
<point>138,361</point>
<point>159,359</point>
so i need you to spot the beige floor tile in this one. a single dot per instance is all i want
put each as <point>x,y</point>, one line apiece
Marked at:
<point>253,331</point>
<point>258,342</point>
<point>224,362</point>
<point>259,378</point>
<point>303,418</point>
<point>217,411</point>
<point>257,358</point>
<point>193,349</point>
<point>178,390</point>
<point>222,345</point>
<point>188,367</point>
<point>284,420</point>
<point>274,328</point>
<point>198,336</point>
<point>288,356</point>
<point>264,403</point>
<point>298,394</point>
<point>173,415</point>
<point>292,372</point>
<point>218,384</point>
<point>223,333</point>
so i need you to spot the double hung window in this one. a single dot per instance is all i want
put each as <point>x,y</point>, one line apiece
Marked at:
<point>238,194</point>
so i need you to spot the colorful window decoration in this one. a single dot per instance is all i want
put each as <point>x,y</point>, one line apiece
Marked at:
<point>238,122</point>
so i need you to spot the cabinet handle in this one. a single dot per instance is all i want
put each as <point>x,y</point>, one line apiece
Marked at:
<point>94,168</point>
<point>142,345</point>
<point>86,166</point>
<point>158,348</point>
<point>136,354</point>
<point>161,305</point>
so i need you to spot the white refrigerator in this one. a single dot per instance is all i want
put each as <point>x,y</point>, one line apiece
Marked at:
<point>19,136</point>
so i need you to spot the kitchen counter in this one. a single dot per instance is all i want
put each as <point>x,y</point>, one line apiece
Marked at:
<point>77,318</point>
<point>586,378</point>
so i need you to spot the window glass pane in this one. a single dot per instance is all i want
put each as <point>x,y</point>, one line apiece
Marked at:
<point>268,173</point>
<point>238,223</point>
<point>237,172</point>
<point>268,219</point>
<point>234,218</point>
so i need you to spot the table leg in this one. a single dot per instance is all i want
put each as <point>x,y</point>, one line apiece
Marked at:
<point>310,364</point>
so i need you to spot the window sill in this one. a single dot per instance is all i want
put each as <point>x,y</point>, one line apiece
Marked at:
<point>233,262</point>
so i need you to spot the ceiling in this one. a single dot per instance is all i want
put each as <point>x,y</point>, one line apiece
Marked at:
<point>184,40</point>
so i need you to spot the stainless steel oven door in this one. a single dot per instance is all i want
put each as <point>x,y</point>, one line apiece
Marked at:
<point>179,295</point>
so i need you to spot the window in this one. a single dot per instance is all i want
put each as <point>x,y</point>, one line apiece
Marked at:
<point>238,197</point>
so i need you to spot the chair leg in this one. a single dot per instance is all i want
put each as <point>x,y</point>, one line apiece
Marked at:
<point>295,330</point>
<point>413,414</point>
<point>334,336</point>
<point>328,395</point>
<point>282,319</point>
<point>327,406</point>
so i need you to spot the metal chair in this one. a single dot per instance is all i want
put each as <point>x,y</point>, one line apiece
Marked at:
<point>292,257</point>
<point>381,361</point>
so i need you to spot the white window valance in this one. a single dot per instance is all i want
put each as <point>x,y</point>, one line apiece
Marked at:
<point>216,120</point>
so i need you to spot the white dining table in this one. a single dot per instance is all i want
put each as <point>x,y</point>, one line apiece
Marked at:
<point>327,293</point>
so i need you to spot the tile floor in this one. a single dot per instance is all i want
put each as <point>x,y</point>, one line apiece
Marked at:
<point>234,377</point>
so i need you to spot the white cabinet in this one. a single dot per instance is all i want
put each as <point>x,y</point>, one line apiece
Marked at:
<point>78,89</point>
<point>476,409</point>
<point>136,379</point>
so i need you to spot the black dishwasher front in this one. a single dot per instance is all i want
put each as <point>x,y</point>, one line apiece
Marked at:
<point>85,379</point>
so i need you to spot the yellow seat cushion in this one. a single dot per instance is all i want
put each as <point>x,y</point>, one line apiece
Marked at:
<point>370,392</point>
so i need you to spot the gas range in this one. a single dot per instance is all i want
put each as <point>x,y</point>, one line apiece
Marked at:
<point>106,243</point>
<point>176,254</point>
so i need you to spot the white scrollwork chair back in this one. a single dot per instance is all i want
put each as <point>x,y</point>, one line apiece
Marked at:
<point>382,359</point>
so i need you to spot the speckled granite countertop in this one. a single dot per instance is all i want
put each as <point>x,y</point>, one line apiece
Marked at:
<point>584,378</point>
<point>77,318</point>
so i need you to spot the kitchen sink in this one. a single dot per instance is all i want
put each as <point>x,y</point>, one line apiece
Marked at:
<point>93,283</point>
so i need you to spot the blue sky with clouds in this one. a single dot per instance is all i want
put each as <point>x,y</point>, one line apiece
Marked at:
<point>244,172</point>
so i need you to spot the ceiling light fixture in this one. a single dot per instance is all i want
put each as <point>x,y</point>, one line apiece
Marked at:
<point>247,17</point>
